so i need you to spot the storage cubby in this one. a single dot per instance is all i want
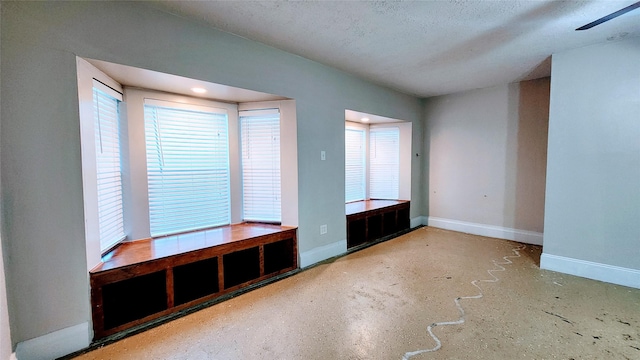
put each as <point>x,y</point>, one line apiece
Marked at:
<point>356,232</point>
<point>389,224</point>
<point>133,299</point>
<point>278,256</point>
<point>195,280</point>
<point>404,222</point>
<point>144,280</point>
<point>241,266</point>
<point>374,227</point>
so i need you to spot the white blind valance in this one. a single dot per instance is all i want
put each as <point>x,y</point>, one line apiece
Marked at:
<point>355,166</point>
<point>108,168</point>
<point>187,167</point>
<point>384,158</point>
<point>261,189</point>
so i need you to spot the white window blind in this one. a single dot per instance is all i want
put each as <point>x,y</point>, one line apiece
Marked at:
<point>260,136</point>
<point>187,167</point>
<point>108,168</point>
<point>384,160</point>
<point>354,165</point>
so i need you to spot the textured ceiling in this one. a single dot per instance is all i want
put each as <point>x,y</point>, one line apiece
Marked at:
<point>423,48</point>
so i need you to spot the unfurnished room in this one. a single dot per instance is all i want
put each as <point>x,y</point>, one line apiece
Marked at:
<point>320,179</point>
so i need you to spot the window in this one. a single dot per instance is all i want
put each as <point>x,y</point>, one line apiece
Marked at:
<point>355,165</point>
<point>187,167</point>
<point>384,158</point>
<point>260,136</point>
<point>108,168</point>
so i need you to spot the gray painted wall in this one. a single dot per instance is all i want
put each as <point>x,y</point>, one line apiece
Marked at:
<point>41,165</point>
<point>5,333</point>
<point>593,170</point>
<point>487,155</point>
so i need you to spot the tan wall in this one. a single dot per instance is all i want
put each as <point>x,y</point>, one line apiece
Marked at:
<point>487,155</point>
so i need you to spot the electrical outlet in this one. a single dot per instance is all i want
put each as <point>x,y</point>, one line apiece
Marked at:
<point>323,155</point>
<point>323,229</point>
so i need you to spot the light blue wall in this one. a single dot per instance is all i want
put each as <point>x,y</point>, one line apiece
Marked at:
<point>40,143</point>
<point>592,210</point>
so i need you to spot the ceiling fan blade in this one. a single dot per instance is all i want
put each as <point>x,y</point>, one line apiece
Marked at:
<point>610,16</point>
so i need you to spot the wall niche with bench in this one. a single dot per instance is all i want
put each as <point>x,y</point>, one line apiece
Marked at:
<point>143,280</point>
<point>369,221</point>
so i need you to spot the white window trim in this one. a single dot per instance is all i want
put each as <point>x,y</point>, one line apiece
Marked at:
<point>164,172</point>
<point>288,155</point>
<point>86,75</point>
<point>108,146</point>
<point>137,185</point>
<point>258,208</point>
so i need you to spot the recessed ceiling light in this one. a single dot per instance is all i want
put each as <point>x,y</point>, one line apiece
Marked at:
<point>365,119</point>
<point>199,90</point>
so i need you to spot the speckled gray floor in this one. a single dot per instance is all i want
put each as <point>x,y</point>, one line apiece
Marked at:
<point>378,302</point>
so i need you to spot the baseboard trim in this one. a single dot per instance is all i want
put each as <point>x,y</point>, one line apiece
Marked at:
<point>56,344</point>
<point>591,270</point>
<point>523,236</point>
<point>324,252</point>
<point>418,220</point>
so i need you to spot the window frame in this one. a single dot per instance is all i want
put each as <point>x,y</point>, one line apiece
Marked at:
<point>253,208</point>
<point>365,160</point>
<point>115,198</point>
<point>178,130</point>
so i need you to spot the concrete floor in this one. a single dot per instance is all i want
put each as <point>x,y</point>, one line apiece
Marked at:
<point>378,302</point>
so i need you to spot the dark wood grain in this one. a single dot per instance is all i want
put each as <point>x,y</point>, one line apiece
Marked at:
<point>140,251</point>
<point>360,207</point>
<point>371,220</point>
<point>134,260</point>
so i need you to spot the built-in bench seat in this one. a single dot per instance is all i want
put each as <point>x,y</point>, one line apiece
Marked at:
<point>371,220</point>
<point>146,279</point>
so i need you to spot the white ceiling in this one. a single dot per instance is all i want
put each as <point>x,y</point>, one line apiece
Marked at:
<point>365,118</point>
<point>423,48</point>
<point>148,79</point>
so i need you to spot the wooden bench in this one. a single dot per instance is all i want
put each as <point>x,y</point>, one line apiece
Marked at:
<point>372,220</point>
<point>143,280</point>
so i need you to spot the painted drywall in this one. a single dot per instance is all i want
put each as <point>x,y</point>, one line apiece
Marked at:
<point>592,210</point>
<point>41,165</point>
<point>5,331</point>
<point>487,155</point>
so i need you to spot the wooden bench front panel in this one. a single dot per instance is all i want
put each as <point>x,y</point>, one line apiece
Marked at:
<point>133,286</point>
<point>371,220</point>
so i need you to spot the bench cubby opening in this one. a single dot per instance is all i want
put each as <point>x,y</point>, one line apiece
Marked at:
<point>195,280</point>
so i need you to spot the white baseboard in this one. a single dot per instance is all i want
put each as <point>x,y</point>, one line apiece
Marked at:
<point>418,220</point>
<point>55,344</point>
<point>523,236</point>
<point>591,270</point>
<point>324,252</point>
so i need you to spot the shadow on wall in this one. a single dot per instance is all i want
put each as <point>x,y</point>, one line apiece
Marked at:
<point>528,128</point>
